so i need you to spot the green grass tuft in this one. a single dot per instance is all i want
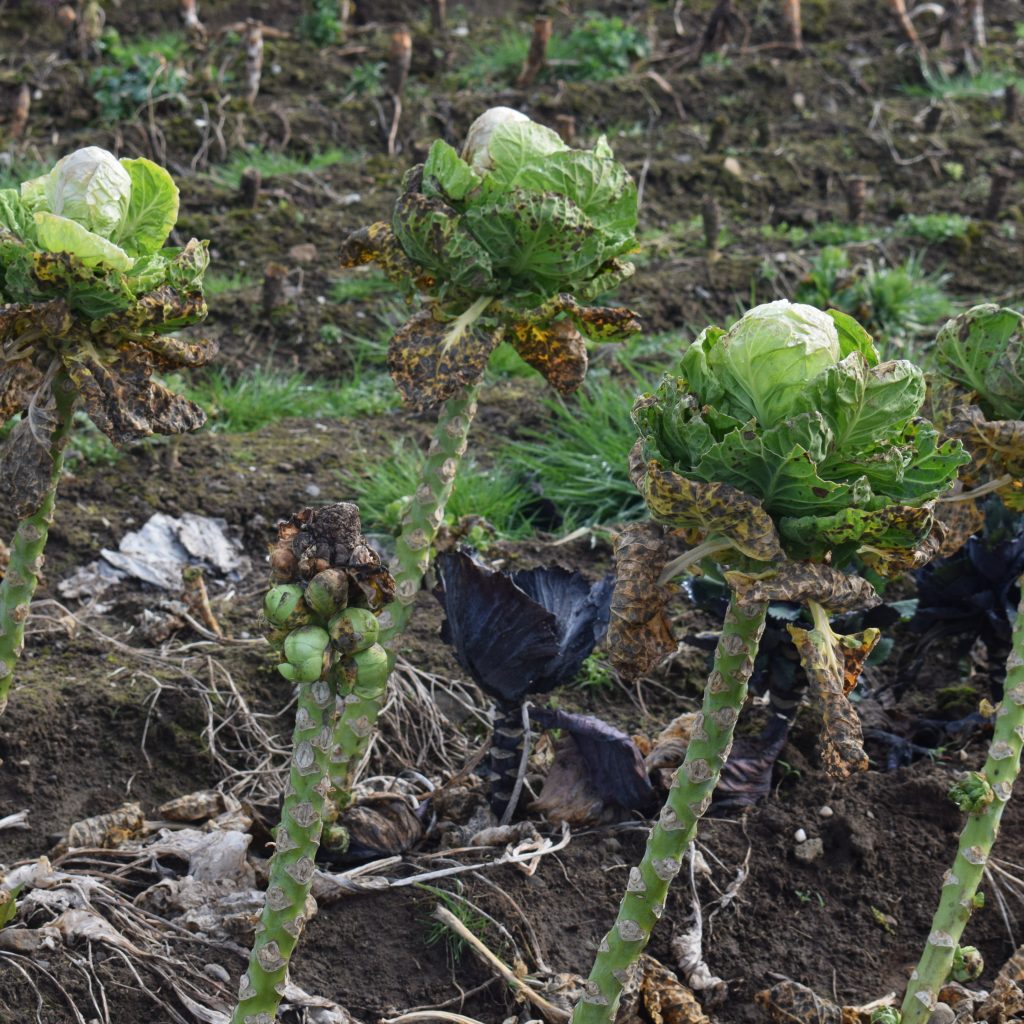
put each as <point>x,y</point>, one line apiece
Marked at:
<point>491,493</point>
<point>255,400</point>
<point>274,165</point>
<point>579,460</point>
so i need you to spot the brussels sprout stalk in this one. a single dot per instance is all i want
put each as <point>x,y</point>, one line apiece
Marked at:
<point>22,576</point>
<point>688,799</point>
<point>294,861</point>
<point>330,651</point>
<point>984,797</point>
<point>361,706</point>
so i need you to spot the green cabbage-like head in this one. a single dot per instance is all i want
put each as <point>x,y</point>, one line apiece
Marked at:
<point>786,433</point>
<point>765,361</point>
<point>91,188</point>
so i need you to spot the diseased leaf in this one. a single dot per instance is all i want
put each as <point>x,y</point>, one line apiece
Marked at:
<point>537,240</point>
<point>378,244</point>
<point>716,508</point>
<point>983,349</point>
<point>19,380</point>
<point>430,360</point>
<point>446,175</point>
<point>960,519</point>
<point>639,635</point>
<point>124,402</point>
<point>605,323</point>
<point>891,526</point>
<point>26,464</point>
<point>804,581</point>
<point>832,664</point>
<point>433,235</point>
<point>556,351</point>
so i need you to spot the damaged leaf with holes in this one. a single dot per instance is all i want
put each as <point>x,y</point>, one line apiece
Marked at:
<point>509,240</point>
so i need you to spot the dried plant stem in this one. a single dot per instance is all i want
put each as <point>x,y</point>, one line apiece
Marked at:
<point>688,799</point>
<point>537,57</point>
<point>449,920</point>
<point>22,576</point>
<point>960,886</point>
<point>294,861</point>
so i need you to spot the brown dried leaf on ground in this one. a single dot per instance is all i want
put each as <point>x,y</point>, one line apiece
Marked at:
<point>655,995</point>
<point>789,1002</point>
<point>805,581</point>
<point>833,663</point>
<point>382,827</point>
<point>638,631</point>
<point>1006,998</point>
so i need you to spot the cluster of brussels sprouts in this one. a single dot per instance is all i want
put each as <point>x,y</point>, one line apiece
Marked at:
<point>316,630</point>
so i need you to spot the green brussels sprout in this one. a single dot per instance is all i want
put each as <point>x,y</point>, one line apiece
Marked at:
<point>281,603</point>
<point>304,651</point>
<point>354,629</point>
<point>327,592</point>
<point>372,670</point>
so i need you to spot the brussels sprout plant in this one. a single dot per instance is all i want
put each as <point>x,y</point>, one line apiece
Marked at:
<point>981,356</point>
<point>330,586</point>
<point>506,241</point>
<point>792,453</point>
<point>90,298</point>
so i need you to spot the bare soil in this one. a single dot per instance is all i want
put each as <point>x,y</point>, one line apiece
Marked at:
<point>91,723</point>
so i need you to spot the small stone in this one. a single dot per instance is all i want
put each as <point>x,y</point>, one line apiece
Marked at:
<point>799,101</point>
<point>304,252</point>
<point>800,835</point>
<point>312,490</point>
<point>825,812</point>
<point>809,851</point>
<point>732,166</point>
<point>942,1014</point>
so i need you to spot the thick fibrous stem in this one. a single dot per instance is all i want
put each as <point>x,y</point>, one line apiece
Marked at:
<point>426,511</point>
<point>412,559</point>
<point>294,861</point>
<point>689,797</point>
<point>505,754</point>
<point>960,885</point>
<point>26,562</point>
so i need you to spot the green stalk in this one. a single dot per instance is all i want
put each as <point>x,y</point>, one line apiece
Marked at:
<point>688,799</point>
<point>425,513</point>
<point>412,559</point>
<point>22,576</point>
<point>985,797</point>
<point>294,860</point>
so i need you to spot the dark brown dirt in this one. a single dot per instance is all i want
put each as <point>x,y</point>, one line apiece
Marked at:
<point>83,733</point>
